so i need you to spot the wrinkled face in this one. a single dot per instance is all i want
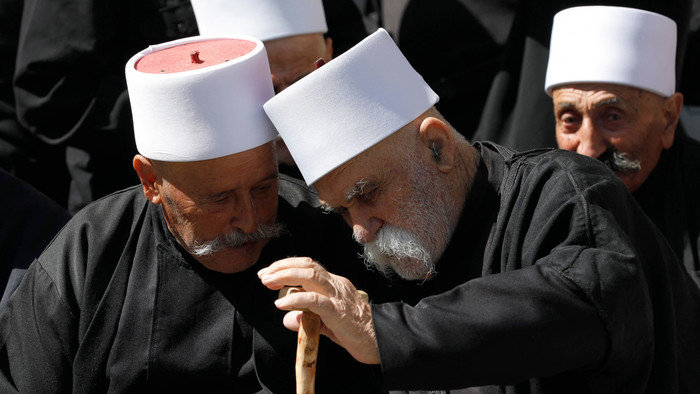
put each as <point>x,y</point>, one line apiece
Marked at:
<point>292,58</point>
<point>625,125</point>
<point>394,204</point>
<point>223,210</point>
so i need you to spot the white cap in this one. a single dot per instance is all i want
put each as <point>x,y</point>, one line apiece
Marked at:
<point>616,45</point>
<point>209,110</point>
<point>349,105</point>
<point>264,19</point>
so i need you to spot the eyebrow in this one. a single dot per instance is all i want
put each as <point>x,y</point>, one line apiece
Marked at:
<point>609,101</point>
<point>357,189</point>
<point>224,193</point>
<point>565,105</point>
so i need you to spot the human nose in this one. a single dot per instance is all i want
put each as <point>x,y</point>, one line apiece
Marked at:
<point>246,215</point>
<point>364,224</point>
<point>591,140</point>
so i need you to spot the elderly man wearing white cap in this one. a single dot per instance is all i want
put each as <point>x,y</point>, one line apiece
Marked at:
<point>615,100</point>
<point>293,33</point>
<point>153,288</point>
<point>535,271</point>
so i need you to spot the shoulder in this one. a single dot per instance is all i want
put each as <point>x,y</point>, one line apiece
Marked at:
<point>101,228</point>
<point>567,173</point>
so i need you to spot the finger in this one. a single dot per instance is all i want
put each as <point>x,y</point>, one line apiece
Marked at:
<point>312,277</point>
<point>311,301</point>
<point>290,262</point>
<point>292,320</point>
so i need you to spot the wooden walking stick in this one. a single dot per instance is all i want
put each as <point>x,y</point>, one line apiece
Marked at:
<point>307,345</point>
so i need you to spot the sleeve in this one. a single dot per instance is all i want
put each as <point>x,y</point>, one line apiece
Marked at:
<point>38,337</point>
<point>568,294</point>
<point>500,329</point>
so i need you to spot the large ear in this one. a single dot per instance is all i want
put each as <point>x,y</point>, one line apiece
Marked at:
<point>672,111</point>
<point>329,50</point>
<point>437,137</point>
<point>149,178</point>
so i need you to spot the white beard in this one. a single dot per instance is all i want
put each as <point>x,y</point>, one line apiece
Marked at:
<point>412,250</point>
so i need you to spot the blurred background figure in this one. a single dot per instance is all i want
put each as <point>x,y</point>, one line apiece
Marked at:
<point>690,79</point>
<point>457,45</point>
<point>29,222</point>
<point>70,90</point>
<point>22,154</point>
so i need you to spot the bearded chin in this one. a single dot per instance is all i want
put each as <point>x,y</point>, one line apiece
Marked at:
<point>399,251</point>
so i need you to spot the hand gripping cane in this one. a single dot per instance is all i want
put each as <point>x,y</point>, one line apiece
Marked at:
<point>307,345</point>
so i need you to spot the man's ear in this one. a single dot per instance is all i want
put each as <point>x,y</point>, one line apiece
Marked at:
<point>149,178</point>
<point>437,138</point>
<point>672,111</point>
<point>329,50</point>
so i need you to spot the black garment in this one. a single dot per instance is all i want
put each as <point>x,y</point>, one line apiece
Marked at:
<point>345,24</point>
<point>115,304</point>
<point>690,78</point>
<point>456,46</point>
<point>70,88</point>
<point>28,222</point>
<point>21,153</point>
<point>669,197</point>
<point>518,113</point>
<point>563,285</point>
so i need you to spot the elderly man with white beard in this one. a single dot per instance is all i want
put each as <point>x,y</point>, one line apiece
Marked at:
<point>531,272</point>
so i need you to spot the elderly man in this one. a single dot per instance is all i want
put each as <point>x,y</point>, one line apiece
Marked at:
<point>616,101</point>
<point>544,275</point>
<point>153,288</point>
<point>293,33</point>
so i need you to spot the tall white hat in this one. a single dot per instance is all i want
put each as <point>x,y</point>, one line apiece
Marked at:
<point>200,98</point>
<point>617,45</point>
<point>263,19</point>
<point>349,105</point>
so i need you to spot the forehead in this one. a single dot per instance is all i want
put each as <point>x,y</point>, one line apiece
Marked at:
<point>363,169</point>
<point>294,52</point>
<point>595,92</point>
<point>228,172</point>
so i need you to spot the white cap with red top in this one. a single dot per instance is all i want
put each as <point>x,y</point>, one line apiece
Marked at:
<point>200,98</point>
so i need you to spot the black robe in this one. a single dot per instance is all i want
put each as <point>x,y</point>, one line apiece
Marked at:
<point>116,305</point>
<point>560,284</point>
<point>671,198</point>
<point>28,222</point>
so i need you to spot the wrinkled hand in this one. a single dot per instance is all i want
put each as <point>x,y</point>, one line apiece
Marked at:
<point>345,313</point>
